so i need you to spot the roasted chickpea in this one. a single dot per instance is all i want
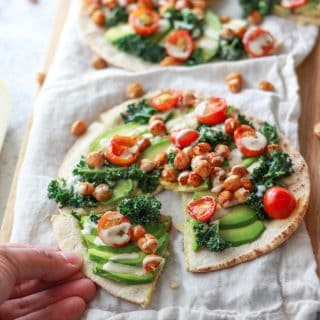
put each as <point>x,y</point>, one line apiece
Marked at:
<point>158,128</point>
<point>225,197</point>
<point>189,152</point>
<point>154,118</point>
<point>203,168</point>
<point>200,4</point>
<point>239,170</point>
<point>99,63</point>
<point>85,188</point>
<point>92,8</point>
<point>231,124</point>
<point>233,75</point>
<point>247,184</point>
<point>219,173</point>
<point>196,159</point>
<point>134,91</point>
<point>102,192</point>
<point>148,4</point>
<point>266,86</point>
<point>138,232</point>
<point>143,143</point>
<point>110,3</point>
<point>183,178</point>
<point>168,174</point>
<point>78,128</point>
<point>232,183</point>
<point>316,130</point>
<point>227,33</point>
<point>272,147</point>
<point>147,165</point>
<point>181,161</point>
<point>234,85</point>
<point>222,150</point>
<point>148,243</point>
<point>198,12</point>
<point>161,159</point>
<point>194,179</point>
<point>169,61</point>
<point>241,195</point>
<point>152,262</point>
<point>187,100</point>
<point>215,160</point>
<point>201,148</point>
<point>224,19</point>
<point>181,4</point>
<point>255,17</point>
<point>240,32</point>
<point>99,18</point>
<point>95,159</point>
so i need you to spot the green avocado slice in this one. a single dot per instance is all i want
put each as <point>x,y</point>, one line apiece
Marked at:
<point>155,149</point>
<point>177,188</point>
<point>121,190</point>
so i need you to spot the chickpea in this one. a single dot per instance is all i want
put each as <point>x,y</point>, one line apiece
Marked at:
<point>232,183</point>
<point>154,118</point>
<point>181,161</point>
<point>148,4</point>
<point>147,165</point>
<point>183,178</point>
<point>41,77</point>
<point>109,3</point>
<point>92,8</point>
<point>194,180</point>
<point>102,192</point>
<point>148,243</point>
<point>234,75</point>
<point>143,143</point>
<point>240,32</point>
<point>152,262</point>
<point>234,85</point>
<point>158,128</point>
<point>78,128</point>
<point>201,148</point>
<point>225,197</point>
<point>272,147</point>
<point>266,86</point>
<point>222,150</point>
<point>215,160</point>
<point>134,91</point>
<point>224,19</point>
<point>161,159</point>
<point>239,170</point>
<point>169,61</point>
<point>187,100</point>
<point>255,17</point>
<point>231,124</point>
<point>316,130</point>
<point>227,34</point>
<point>181,4</point>
<point>189,151</point>
<point>168,174</point>
<point>199,4</point>
<point>95,159</point>
<point>85,188</point>
<point>203,168</point>
<point>138,232</point>
<point>99,63</point>
<point>219,173</point>
<point>196,159</point>
<point>241,195</point>
<point>99,18</point>
<point>198,12</point>
<point>247,184</point>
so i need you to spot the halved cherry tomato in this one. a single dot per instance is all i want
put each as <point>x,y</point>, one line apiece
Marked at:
<point>114,229</point>
<point>184,137</point>
<point>250,142</point>
<point>279,202</point>
<point>259,42</point>
<point>144,21</point>
<point>179,44</point>
<point>292,4</point>
<point>122,150</point>
<point>212,112</point>
<point>166,100</point>
<point>203,208</point>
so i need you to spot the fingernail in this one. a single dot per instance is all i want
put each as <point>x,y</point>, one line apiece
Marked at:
<point>72,258</point>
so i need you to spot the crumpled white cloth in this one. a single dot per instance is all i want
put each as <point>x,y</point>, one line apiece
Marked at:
<point>280,285</point>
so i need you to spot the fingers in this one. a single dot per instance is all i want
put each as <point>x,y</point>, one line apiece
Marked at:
<point>19,307</point>
<point>71,308</point>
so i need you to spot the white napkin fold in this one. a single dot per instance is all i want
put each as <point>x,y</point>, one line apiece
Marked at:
<point>280,285</point>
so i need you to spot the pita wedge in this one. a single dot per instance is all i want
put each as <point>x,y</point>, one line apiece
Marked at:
<point>224,163</point>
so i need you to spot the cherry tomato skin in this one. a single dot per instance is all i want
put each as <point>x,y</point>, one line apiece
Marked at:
<point>279,202</point>
<point>184,137</point>
<point>217,112</point>
<point>139,26</point>
<point>253,35</point>
<point>165,101</point>
<point>202,209</point>
<point>293,4</point>
<point>180,39</point>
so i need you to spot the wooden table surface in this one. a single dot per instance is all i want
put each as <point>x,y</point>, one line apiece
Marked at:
<point>309,79</point>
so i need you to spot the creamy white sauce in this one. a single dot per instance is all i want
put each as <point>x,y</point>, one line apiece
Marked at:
<point>257,45</point>
<point>260,190</point>
<point>254,143</point>
<point>103,142</point>
<point>122,268</point>
<point>133,255</point>
<point>152,258</point>
<point>236,24</point>
<point>150,243</point>
<point>97,241</point>
<point>129,152</point>
<point>201,108</point>
<point>116,235</point>
<point>188,121</point>
<point>235,157</point>
<point>256,164</point>
<point>231,203</point>
<point>195,160</point>
<point>175,51</point>
<point>88,226</point>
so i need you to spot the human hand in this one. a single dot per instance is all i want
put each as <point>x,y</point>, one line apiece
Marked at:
<point>42,283</point>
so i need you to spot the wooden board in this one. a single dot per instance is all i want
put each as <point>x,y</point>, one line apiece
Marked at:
<point>309,78</point>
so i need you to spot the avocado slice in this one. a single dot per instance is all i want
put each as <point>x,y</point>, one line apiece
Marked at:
<point>237,217</point>
<point>122,189</point>
<point>191,224</point>
<point>177,188</point>
<point>212,20</point>
<point>199,194</point>
<point>247,234</point>
<point>163,243</point>
<point>247,162</point>
<point>159,147</point>
<point>118,32</point>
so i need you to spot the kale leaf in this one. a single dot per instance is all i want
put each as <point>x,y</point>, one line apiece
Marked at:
<point>264,7</point>
<point>117,15</point>
<point>76,215</point>
<point>196,57</point>
<point>244,120</point>
<point>214,137</point>
<point>139,112</point>
<point>171,157</point>
<point>231,49</point>
<point>94,217</point>
<point>143,209</point>
<point>270,132</point>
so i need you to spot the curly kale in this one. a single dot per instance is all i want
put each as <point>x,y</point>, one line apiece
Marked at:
<point>94,217</point>
<point>208,236</point>
<point>231,49</point>
<point>214,137</point>
<point>139,112</point>
<point>196,58</point>
<point>146,48</point>
<point>142,209</point>
<point>255,202</point>
<point>171,157</point>
<point>244,120</point>
<point>270,132</point>
<point>264,7</point>
<point>117,15</point>
<point>76,215</point>
<point>67,196</point>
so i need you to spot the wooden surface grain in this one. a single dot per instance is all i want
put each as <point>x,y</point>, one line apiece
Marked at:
<point>309,79</point>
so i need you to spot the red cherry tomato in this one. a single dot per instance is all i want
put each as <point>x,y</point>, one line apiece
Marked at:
<point>203,208</point>
<point>279,202</point>
<point>292,4</point>
<point>164,101</point>
<point>259,42</point>
<point>179,44</point>
<point>144,21</point>
<point>250,142</point>
<point>122,150</point>
<point>212,112</point>
<point>184,137</point>
<point>114,229</point>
